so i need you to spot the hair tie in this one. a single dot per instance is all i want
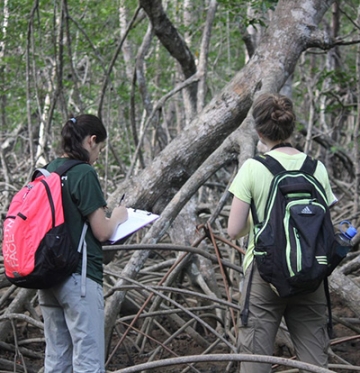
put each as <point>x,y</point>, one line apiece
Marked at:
<point>73,120</point>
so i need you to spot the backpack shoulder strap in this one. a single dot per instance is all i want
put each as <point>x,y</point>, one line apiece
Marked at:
<point>39,171</point>
<point>309,165</point>
<point>274,167</point>
<point>328,301</point>
<point>270,163</point>
<point>61,170</point>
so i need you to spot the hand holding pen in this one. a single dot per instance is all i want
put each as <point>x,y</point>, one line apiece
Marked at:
<point>120,211</point>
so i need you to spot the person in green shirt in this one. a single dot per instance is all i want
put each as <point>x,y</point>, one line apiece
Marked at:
<point>305,315</point>
<point>73,319</point>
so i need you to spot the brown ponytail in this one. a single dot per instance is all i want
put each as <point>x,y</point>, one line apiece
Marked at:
<point>74,132</point>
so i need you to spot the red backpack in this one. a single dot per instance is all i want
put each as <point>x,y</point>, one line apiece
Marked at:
<point>37,248</point>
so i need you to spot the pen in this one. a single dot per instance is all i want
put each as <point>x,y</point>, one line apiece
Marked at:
<point>121,199</point>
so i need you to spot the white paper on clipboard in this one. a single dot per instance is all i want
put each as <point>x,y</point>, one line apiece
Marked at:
<point>137,219</point>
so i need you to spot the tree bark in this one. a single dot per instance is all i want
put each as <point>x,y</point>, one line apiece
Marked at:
<point>346,289</point>
<point>203,58</point>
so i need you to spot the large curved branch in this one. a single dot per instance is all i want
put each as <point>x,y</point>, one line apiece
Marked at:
<point>272,63</point>
<point>224,357</point>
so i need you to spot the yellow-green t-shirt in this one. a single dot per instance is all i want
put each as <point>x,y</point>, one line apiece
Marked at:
<point>253,182</point>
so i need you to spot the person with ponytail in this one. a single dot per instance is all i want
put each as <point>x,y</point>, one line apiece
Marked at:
<point>305,314</point>
<point>73,321</point>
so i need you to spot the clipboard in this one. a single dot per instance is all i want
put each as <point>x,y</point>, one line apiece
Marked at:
<point>137,219</point>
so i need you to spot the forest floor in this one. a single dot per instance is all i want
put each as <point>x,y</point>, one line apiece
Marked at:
<point>342,347</point>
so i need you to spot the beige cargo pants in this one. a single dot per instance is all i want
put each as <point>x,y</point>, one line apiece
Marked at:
<point>305,317</point>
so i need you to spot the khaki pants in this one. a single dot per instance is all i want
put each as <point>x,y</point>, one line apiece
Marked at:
<point>305,317</point>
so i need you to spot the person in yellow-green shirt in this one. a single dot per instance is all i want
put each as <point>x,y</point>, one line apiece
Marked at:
<point>305,315</point>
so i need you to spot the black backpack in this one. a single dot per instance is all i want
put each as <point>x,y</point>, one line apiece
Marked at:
<point>295,247</point>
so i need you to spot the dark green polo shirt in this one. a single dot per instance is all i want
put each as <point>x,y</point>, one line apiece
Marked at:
<point>82,195</point>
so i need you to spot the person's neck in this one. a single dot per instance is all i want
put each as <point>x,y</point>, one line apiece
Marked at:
<point>281,145</point>
<point>270,144</point>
